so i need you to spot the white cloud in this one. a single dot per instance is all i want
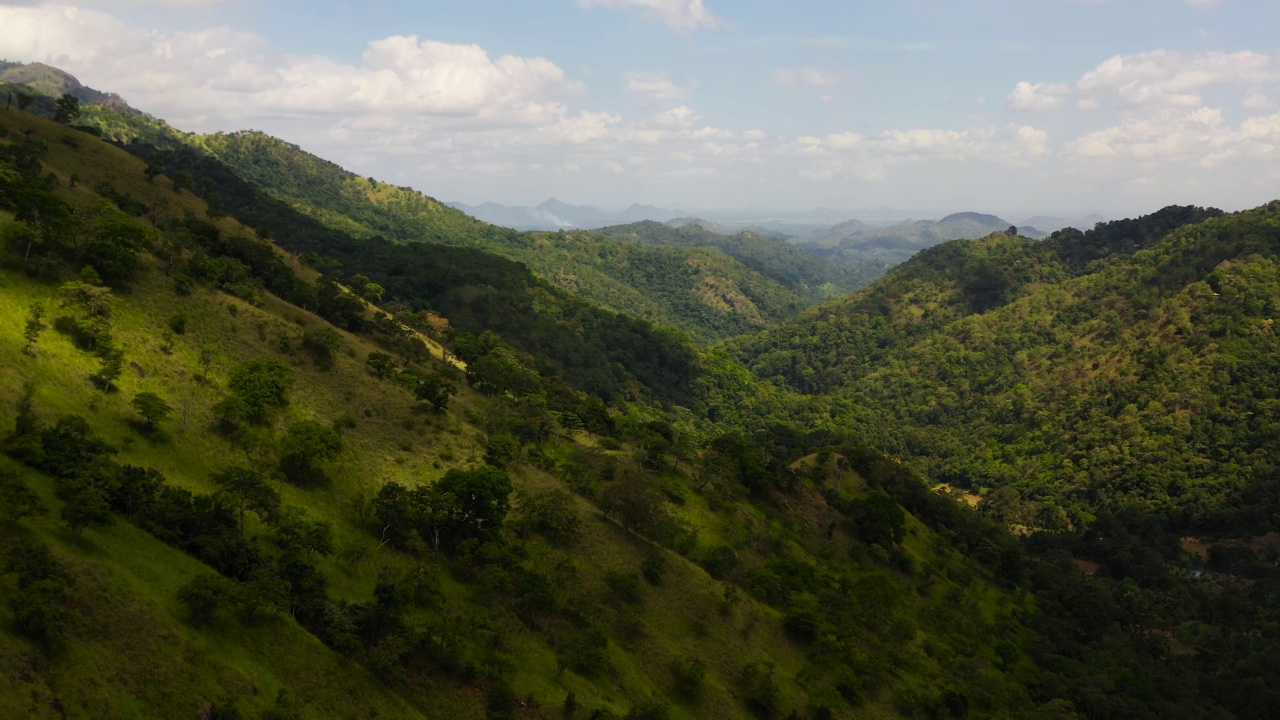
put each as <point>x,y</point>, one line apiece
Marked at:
<point>682,15</point>
<point>812,77</point>
<point>655,86</point>
<point>1169,79</point>
<point>217,73</point>
<point>1039,97</point>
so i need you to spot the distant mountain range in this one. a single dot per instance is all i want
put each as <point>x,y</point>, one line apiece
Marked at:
<point>855,242</point>
<point>553,214</point>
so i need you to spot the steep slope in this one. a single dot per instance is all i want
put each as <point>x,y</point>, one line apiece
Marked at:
<point>666,602</point>
<point>761,571</point>
<point>708,295</point>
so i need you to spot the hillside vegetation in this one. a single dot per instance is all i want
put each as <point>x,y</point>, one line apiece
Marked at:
<point>283,453</point>
<point>703,292</point>
<point>295,518</point>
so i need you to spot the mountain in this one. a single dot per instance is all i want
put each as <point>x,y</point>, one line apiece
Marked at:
<point>776,259</point>
<point>854,241</point>
<point>553,214</point>
<point>1053,223</point>
<point>232,486</point>
<point>707,225</point>
<point>261,460</point>
<point>51,81</point>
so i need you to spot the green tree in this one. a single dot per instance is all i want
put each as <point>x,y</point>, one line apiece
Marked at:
<point>34,326</point>
<point>67,108</point>
<point>261,385</point>
<point>204,595</point>
<point>321,343</point>
<point>153,409</point>
<point>248,491</point>
<point>381,364</point>
<point>372,292</point>
<point>436,389</point>
<point>306,444</point>
<point>86,506</point>
<point>297,533</point>
<point>878,519</point>
<point>482,496</point>
<point>16,499</point>
<point>110,363</point>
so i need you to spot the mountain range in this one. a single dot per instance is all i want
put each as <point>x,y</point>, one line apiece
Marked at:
<point>283,441</point>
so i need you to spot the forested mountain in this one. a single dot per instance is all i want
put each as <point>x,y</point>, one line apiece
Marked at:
<point>261,462</point>
<point>772,257</point>
<point>703,292</point>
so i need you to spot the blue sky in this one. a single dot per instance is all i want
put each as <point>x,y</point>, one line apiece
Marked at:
<point>1058,106</point>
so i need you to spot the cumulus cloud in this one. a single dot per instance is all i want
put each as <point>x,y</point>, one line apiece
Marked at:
<point>682,15</point>
<point>655,86</point>
<point>1039,97</point>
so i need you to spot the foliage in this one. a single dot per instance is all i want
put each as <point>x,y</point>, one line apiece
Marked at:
<point>260,385</point>
<point>153,409</point>
<point>306,445</point>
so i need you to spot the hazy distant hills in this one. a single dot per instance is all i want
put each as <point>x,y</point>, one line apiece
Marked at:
<point>854,242</point>
<point>553,214</point>
<point>775,258</point>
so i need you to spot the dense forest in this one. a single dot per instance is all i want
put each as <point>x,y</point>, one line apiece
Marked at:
<point>292,468</point>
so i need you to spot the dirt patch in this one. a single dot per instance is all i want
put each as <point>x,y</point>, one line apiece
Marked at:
<point>1088,567</point>
<point>1197,546</point>
<point>138,369</point>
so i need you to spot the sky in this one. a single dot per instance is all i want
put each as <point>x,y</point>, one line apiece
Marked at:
<point>1013,107</point>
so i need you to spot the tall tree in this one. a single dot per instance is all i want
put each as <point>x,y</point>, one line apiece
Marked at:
<point>248,491</point>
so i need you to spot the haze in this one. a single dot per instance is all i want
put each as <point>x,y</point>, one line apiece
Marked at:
<point>1015,108</point>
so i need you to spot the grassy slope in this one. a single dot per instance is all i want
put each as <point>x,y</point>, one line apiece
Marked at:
<point>137,576</point>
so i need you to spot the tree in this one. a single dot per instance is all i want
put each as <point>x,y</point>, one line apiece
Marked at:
<point>372,292</point>
<point>110,363</point>
<point>25,100</point>
<point>16,498</point>
<point>878,519</point>
<point>153,409</point>
<point>321,343</point>
<point>295,532</point>
<point>261,385</point>
<point>206,361</point>
<point>303,446</point>
<point>204,595</point>
<point>67,108</point>
<point>34,326</point>
<point>86,506</point>
<point>248,491</point>
<point>482,497</point>
<point>381,364</point>
<point>436,389</point>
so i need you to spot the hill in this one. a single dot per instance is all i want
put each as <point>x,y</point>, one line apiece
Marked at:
<point>1110,390</point>
<point>808,275</point>
<point>853,242</point>
<point>600,520</point>
<point>704,293</point>
<point>219,501</point>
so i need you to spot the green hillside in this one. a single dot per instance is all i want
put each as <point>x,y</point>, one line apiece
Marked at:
<point>705,293</point>
<point>1110,391</point>
<point>772,257</point>
<point>296,534</point>
<point>260,453</point>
